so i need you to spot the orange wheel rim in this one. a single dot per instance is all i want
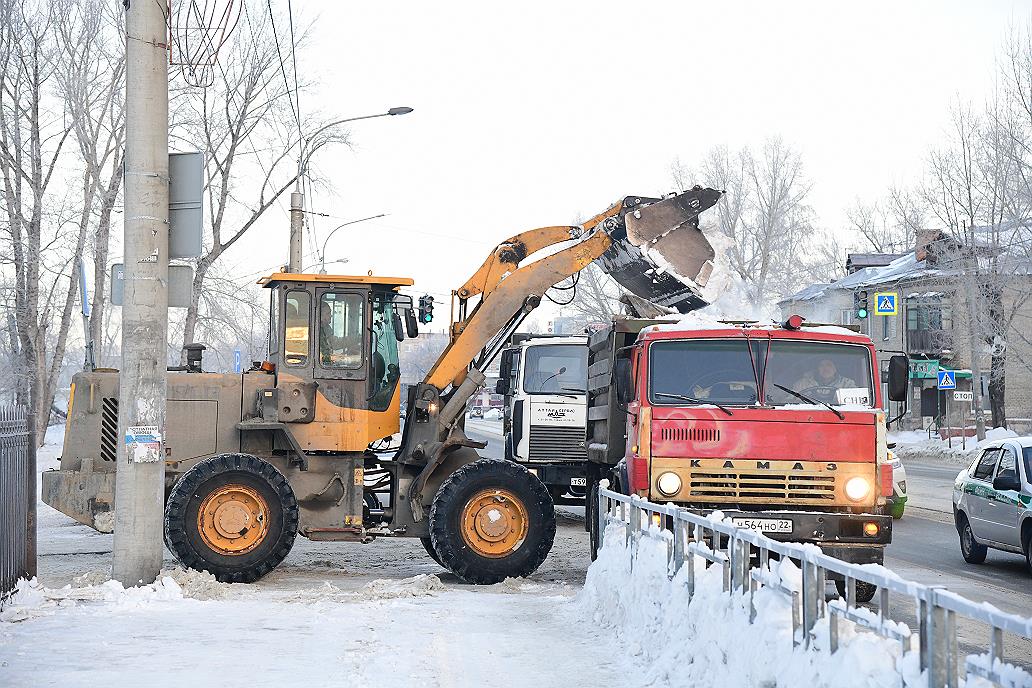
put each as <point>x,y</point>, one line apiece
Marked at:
<point>233,519</point>
<point>494,523</point>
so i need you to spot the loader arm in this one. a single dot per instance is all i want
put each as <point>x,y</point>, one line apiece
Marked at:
<point>504,287</point>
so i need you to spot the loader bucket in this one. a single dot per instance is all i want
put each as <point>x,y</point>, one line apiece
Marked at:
<point>660,254</point>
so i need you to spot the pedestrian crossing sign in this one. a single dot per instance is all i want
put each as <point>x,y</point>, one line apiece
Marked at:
<point>886,303</point>
<point>947,379</point>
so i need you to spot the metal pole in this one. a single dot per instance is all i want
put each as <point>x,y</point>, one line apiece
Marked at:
<point>140,474</point>
<point>297,229</point>
<point>30,494</point>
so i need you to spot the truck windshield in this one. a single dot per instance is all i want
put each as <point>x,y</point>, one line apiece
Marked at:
<point>712,371</point>
<point>836,374</point>
<point>555,369</point>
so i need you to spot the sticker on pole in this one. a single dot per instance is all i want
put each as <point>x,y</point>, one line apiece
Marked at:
<point>947,379</point>
<point>142,444</point>
<point>886,303</point>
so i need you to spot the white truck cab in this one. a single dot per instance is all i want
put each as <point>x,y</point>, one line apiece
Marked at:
<point>544,381</point>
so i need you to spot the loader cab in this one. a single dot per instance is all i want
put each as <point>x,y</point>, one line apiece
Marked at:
<point>333,342</point>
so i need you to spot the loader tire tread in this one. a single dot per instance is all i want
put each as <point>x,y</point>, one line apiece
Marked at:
<point>179,517</point>
<point>460,486</point>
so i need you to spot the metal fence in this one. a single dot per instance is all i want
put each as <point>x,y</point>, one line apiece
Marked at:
<point>744,555</point>
<point>17,498</point>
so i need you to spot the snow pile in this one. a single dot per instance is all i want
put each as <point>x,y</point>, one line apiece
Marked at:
<point>710,641</point>
<point>492,414</point>
<point>915,444</point>
<point>31,599</point>
<point>423,585</point>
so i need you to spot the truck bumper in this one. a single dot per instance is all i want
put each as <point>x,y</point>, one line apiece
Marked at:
<point>838,535</point>
<point>87,496</point>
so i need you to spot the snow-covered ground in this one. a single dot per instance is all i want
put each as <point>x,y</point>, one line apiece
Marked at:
<point>333,614</point>
<point>917,444</point>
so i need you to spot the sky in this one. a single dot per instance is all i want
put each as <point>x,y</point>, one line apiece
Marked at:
<point>535,113</point>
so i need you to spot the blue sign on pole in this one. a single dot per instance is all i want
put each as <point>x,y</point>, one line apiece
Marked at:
<point>947,379</point>
<point>236,361</point>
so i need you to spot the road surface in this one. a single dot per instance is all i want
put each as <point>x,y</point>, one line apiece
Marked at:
<point>924,548</point>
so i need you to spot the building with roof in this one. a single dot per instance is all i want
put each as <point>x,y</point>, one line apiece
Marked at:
<point>928,287</point>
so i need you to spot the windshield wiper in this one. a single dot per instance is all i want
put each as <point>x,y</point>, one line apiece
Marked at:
<point>809,400</point>
<point>695,400</point>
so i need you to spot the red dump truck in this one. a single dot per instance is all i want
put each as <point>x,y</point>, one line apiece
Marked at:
<point>780,427</point>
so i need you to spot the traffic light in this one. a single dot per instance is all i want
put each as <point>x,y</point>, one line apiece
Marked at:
<point>426,309</point>
<point>861,305</point>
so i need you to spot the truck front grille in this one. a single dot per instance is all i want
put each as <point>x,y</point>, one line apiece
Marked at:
<point>108,428</point>
<point>692,434</point>
<point>557,444</point>
<point>732,485</point>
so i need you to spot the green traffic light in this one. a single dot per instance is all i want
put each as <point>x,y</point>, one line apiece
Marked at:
<point>862,313</point>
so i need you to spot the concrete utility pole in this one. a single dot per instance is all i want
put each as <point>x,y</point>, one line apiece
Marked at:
<point>297,227</point>
<point>140,475</point>
<point>973,278</point>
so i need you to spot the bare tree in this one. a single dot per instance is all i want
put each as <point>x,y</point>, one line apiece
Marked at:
<point>597,296</point>
<point>32,139</point>
<point>878,226</point>
<point>255,143</point>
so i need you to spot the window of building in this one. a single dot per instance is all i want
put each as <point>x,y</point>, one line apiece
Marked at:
<point>929,314</point>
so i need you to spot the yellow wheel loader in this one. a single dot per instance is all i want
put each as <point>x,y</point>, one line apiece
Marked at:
<point>286,447</point>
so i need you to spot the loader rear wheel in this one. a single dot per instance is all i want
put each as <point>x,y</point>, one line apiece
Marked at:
<point>492,520</point>
<point>232,515</point>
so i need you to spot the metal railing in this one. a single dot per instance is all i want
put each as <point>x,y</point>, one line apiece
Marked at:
<point>736,549</point>
<point>17,498</point>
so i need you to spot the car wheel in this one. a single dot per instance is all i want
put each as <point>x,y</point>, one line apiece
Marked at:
<point>974,553</point>
<point>1027,546</point>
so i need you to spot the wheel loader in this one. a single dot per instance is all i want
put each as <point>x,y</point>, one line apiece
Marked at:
<point>253,459</point>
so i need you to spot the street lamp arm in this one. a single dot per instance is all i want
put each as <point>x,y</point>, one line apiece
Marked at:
<point>393,111</point>
<point>322,254</point>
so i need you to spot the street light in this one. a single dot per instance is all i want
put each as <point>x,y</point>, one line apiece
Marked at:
<point>322,254</point>
<point>297,199</point>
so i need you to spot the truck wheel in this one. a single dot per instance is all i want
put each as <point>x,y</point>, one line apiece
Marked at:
<point>491,520</point>
<point>428,545</point>
<point>232,515</point>
<point>973,552</point>
<point>864,590</point>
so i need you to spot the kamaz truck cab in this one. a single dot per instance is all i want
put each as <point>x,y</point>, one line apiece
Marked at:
<point>781,428</point>
<point>543,380</point>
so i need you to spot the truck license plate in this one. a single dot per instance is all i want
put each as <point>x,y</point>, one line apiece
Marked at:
<point>579,482</point>
<point>764,525</point>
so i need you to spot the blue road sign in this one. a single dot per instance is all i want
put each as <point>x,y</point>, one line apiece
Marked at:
<point>886,303</point>
<point>236,361</point>
<point>947,379</point>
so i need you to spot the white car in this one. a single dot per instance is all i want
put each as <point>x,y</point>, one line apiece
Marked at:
<point>992,501</point>
<point>898,501</point>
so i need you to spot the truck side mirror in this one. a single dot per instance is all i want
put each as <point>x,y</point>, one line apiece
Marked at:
<point>411,323</point>
<point>899,377</point>
<point>622,380</point>
<point>502,386</point>
<point>505,365</point>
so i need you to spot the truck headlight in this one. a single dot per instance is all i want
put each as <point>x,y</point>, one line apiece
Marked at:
<point>857,488</point>
<point>669,484</point>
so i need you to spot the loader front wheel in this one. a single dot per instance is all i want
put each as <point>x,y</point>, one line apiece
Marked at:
<point>232,515</point>
<point>492,520</point>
